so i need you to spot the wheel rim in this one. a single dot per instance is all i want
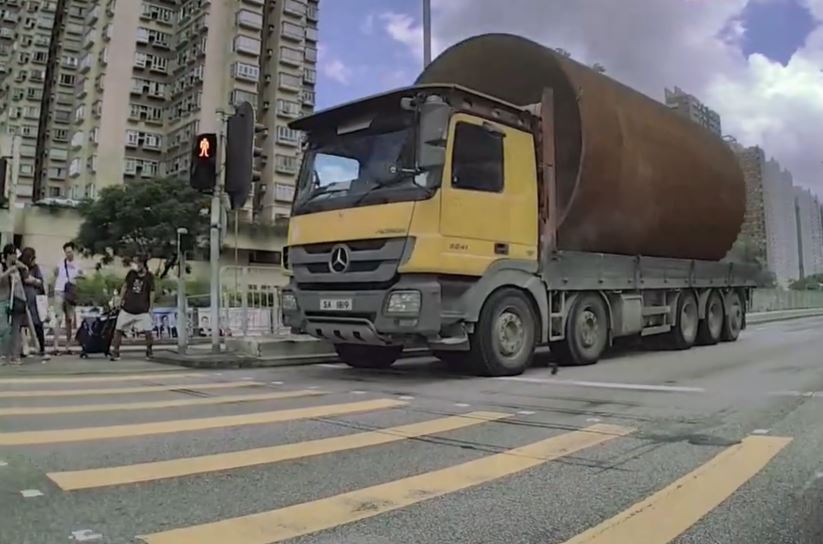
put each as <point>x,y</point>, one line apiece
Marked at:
<point>510,333</point>
<point>715,316</point>
<point>735,316</point>
<point>589,329</point>
<point>688,319</point>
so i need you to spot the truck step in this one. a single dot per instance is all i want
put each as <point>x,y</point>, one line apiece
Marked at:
<point>660,329</point>
<point>656,310</point>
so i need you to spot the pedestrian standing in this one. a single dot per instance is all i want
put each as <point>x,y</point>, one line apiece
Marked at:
<point>35,286</point>
<point>65,295</point>
<point>12,305</point>
<point>137,297</point>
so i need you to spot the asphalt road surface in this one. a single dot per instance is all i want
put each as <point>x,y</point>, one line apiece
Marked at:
<point>715,445</point>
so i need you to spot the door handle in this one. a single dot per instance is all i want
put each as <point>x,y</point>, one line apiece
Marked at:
<point>501,249</point>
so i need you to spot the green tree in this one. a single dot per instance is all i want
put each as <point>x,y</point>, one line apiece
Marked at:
<point>142,218</point>
<point>809,283</point>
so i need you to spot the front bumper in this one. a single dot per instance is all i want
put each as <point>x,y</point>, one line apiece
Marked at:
<point>364,317</point>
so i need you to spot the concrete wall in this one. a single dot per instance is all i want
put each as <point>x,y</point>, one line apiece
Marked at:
<point>766,300</point>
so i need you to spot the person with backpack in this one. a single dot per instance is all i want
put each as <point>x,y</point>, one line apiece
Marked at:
<point>136,300</point>
<point>65,295</point>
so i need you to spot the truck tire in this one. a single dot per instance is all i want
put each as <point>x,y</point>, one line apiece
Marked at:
<point>684,334</point>
<point>505,336</point>
<point>734,318</point>
<point>711,326</point>
<point>358,356</point>
<point>587,331</point>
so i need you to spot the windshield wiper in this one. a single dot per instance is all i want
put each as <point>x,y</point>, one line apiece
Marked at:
<point>402,175</point>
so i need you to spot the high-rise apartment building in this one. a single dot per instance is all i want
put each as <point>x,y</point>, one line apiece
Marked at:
<point>753,163</point>
<point>689,106</point>
<point>114,91</point>
<point>810,232</point>
<point>781,223</point>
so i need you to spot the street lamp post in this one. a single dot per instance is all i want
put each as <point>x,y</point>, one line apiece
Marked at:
<point>427,33</point>
<point>182,315</point>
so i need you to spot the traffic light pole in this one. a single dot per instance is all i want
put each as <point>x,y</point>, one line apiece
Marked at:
<point>214,262</point>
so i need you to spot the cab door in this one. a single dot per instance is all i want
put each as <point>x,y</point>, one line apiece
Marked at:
<point>489,195</point>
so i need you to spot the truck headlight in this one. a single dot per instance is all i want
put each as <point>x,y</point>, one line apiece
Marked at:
<point>288,302</point>
<point>403,303</point>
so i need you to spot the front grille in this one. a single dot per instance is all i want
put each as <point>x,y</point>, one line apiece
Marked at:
<point>355,266</point>
<point>354,245</point>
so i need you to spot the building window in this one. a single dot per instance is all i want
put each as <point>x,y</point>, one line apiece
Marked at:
<point>142,35</point>
<point>34,93</point>
<point>289,81</point>
<point>294,7</point>
<point>58,154</point>
<point>79,113</point>
<point>77,139</point>
<point>286,164</point>
<point>28,131</point>
<point>70,61</point>
<point>244,44</point>
<point>57,172</point>
<point>308,97</point>
<point>26,169</point>
<point>287,108</point>
<point>67,80</point>
<point>287,136</point>
<point>293,31</point>
<point>247,72</point>
<point>239,96</point>
<point>309,75</point>
<point>61,135</point>
<point>311,54</point>
<point>40,57</point>
<point>31,112</point>
<point>311,34</point>
<point>292,56</point>
<point>130,167</point>
<point>132,138</point>
<point>140,59</point>
<point>55,192</point>
<point>249,19</point>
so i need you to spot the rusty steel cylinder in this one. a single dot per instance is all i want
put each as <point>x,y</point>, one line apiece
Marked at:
<point>633,177</point>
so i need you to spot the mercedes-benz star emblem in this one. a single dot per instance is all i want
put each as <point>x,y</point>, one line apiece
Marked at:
<point>339,260</point>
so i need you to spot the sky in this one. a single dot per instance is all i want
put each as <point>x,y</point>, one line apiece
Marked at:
<point>759,63</point>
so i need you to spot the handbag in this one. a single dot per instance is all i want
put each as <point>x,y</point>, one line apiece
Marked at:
<point>70,290</point>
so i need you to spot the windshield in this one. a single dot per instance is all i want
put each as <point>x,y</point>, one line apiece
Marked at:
<point>376,164</point>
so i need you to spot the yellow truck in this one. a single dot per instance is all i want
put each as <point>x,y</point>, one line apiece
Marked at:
<point>512,198</point>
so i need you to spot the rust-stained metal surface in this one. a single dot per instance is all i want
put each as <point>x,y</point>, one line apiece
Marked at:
<point>632,176</point>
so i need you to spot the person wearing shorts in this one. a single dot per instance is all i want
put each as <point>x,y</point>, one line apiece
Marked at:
<point>67,272</point>
<point>136,297</point>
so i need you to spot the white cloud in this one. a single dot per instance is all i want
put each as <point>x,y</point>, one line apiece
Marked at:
<point>653,44</point>
<point>332,67</point>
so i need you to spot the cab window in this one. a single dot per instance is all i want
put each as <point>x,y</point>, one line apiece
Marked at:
<point>477,161</point>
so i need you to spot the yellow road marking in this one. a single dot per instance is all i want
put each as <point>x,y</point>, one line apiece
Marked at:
<point>144,472</point>
<point>172,403</point>
<point>121,390</point>
<point>310,517</point>
<point>664,516</point>
<point>176,426</point>
<point>106,378</point>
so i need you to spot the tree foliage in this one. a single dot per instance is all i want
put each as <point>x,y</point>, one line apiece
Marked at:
<point>142,218</point>
<point>809,283</point>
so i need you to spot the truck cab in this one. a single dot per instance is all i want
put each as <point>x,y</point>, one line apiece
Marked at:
<point>410,209</point>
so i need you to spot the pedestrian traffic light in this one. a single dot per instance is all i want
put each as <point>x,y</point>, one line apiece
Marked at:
<point>242,154</point>
<point>204,163</point>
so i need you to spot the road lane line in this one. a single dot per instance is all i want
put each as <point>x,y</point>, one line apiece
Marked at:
<point>199,424</point>
<point>172,403</point>
<point>98,378</point>
<point>122,390</point>
<point>607,385</point>
<point>665,515</point>
<point>314,516</point>
<point>174,468</point>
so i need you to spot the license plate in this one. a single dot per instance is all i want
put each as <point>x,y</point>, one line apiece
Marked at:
<point>336,304</point>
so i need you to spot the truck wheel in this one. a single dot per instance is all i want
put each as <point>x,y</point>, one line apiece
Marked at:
<point>357,356</point>
<point>733,322</point>
<point>711,326</point>
<point>504,338</point>
<point>684,333</point>
<point>587,330</point>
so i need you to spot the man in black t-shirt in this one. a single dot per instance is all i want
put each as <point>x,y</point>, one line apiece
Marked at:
<point>136,299</point>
